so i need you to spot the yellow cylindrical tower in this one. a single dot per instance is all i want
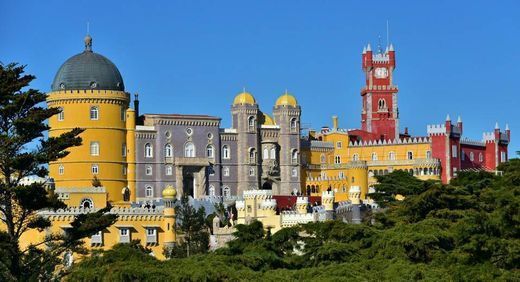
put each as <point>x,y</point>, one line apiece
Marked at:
<point>301,204</point>
<point>130,155</point>
<point>359,177</point>
<point>169,195</point>
<point>89,90</point>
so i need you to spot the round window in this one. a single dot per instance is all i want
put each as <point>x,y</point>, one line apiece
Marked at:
<point>189,131</point>
<point>168,134</point>
<point>93,84</point>
<point>62,85</point>
<point>210,135</point>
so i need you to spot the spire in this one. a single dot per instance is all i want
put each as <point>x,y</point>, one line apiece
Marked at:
<point>386,49</point>
<point>364,50</point>
<point>459,120</point>
<point>369,49</point>
<point>507,126</point>
<point>496,125</point>
<point>391,47</point>
<point>88,39</point>
<point>448,117</point>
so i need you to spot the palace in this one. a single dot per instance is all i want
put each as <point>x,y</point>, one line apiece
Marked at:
<point>261,164</point>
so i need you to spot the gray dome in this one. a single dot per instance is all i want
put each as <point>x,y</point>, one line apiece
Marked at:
<point>88,70</point>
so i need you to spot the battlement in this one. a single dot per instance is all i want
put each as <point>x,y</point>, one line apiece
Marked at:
<point>381,58</point>
<point>115,210</point>
<point>80,190</point>
<point>257,194</point>
<point>240,205</point>
<point>397,141</point>
<point>327,194</point>
<point>436,129</point>
<point>268,204</point>
<point>302,200</point>
<point>467,141</point>
<point>291,218</point>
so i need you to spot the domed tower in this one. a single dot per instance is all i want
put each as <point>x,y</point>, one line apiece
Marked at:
<point>245,116</point>
<point>287,115</point>
<point>89,90</point>
<point>169,195</point>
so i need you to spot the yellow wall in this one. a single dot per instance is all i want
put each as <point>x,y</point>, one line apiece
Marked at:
<point>109,130</point>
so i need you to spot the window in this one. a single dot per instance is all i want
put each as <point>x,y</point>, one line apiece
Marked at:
<point>210,135</point>
<point>94,113</point>
<point>123,150</point>
<point>273,153</point>
<point>94,148</point>
<point>454,152</point>
<point>226,191</point>
<point>428,154</point>
<point>337,159</point>
<point>355,157</point>
<point>381,104</point>
<point>150,231</point>
<point>503,157</point>
<point>124,235</point>
<point>149,191</point>
<point>148,150</point>
<point>189,150</point>
<point>61,169</point>
<point>391,156</point>
<point>168,134</point>
<point>211,190</point>
<point>225,171</point>
<point>265,154</point>
<point>294,172</point>
<point>251,171</point>
<point>339,144</point>
<point>148,170</point>
<point>189,131</point>
<point>94,169</point>
<point>480,157</point>
<point>86,204</point>
<point>323,159</point>
<point>169,170</point>
<point>168,150</point>
<point>409,155</point>
<point>471,156</point>
<point>125,169</point>
<point>123,231</point>
<point>210,152</point>
<point>462,155</point>
<point>353,180</point>
<point>294,156</point>
<point>225,152</point>
<point>341,175</point>
<point>61,114</point>
<point>123,113</point>
<point>294,124</point>
<point>374,156</point>
<point>252,155</point>
<point>252,123</point>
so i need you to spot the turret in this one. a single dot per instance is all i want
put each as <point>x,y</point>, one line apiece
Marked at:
<point>459,124</point>
<point>354,196</point>
<point>327,200</point>
<point>335,122</point>
<point>508,132</point>
<point>169,196</point>
<point>301,204</point>
<point>130,153</point>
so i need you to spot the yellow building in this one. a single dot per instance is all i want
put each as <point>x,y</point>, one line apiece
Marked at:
<point>331,161</point>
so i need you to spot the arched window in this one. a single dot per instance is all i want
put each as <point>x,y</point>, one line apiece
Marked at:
<point>226,191</point>
<point>353,180</point>
<point>210,151</point>
<point>225,171</point>
<point>294,124</point>
<point>323,159</point>
<point>294,156</point>
<point>337,159</point>
<point>169,170</point>
<point>480,157</point>
<point>61,114</point>
<point>252,155</point>
<point>149,191</point>
<point>211,190</point>
<point>355,157</point>
<point>168,150</point>
<point>94,113</point>
<point>87,203</point>
<point>391,156</point>
<point>148,150</point>
<point>409,155</point>
<point>123,149</point>
<point>382,104</point>
<point>265,154</point>
<point>251,171</point>
<point>273,153</point>
<point>471,156</point>
<point>294,172</point>
<point>148,170</point>
<point>428,154</point>
<point>126,194</point>
<point>94,169</point>
<point>189,150</point>
<point>374,156</point>
<point>123,113</point>
<point>225,152</point>
<point>94,148</point>
<point>252,123</point>
<point>61,169</point>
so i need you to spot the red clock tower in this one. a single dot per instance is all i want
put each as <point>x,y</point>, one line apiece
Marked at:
<point>380,115</point>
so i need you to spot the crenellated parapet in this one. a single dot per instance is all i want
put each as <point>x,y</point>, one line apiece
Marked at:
<point>268,204</point>
<point>397,141</point>
<point>257,194</point>
<point>240,205</point>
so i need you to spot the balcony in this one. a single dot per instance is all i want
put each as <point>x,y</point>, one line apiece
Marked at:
<point>413,162</point>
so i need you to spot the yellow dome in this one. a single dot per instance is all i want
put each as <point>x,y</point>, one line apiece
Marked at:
<point>169,192</point>
<point>286,100</point>
<point>268,120</point>
<point>244,98</point>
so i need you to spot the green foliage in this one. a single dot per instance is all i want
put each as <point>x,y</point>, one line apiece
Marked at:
<point>466,231</point>
<point>25,152</point>
<point>191,224</point>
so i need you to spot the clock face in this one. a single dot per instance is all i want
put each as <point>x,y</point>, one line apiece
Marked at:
<point>381,73</point>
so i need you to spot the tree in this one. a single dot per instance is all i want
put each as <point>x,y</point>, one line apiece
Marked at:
<point>24,152</point>
<point>396,183</point>
<point>192,226</point>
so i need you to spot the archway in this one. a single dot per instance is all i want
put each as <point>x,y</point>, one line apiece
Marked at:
<point>267,185</point>
<point>187,184</point>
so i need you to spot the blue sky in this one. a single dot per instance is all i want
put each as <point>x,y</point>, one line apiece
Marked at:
<point>456,57</point>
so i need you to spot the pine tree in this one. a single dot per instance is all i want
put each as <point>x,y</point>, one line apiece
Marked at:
<point>25,152</point>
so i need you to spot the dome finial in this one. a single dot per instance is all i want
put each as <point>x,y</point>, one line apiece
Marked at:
<point>88,39</point>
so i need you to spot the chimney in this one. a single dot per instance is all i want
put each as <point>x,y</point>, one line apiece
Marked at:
<point>136,107</point>
<point>335,122</point>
